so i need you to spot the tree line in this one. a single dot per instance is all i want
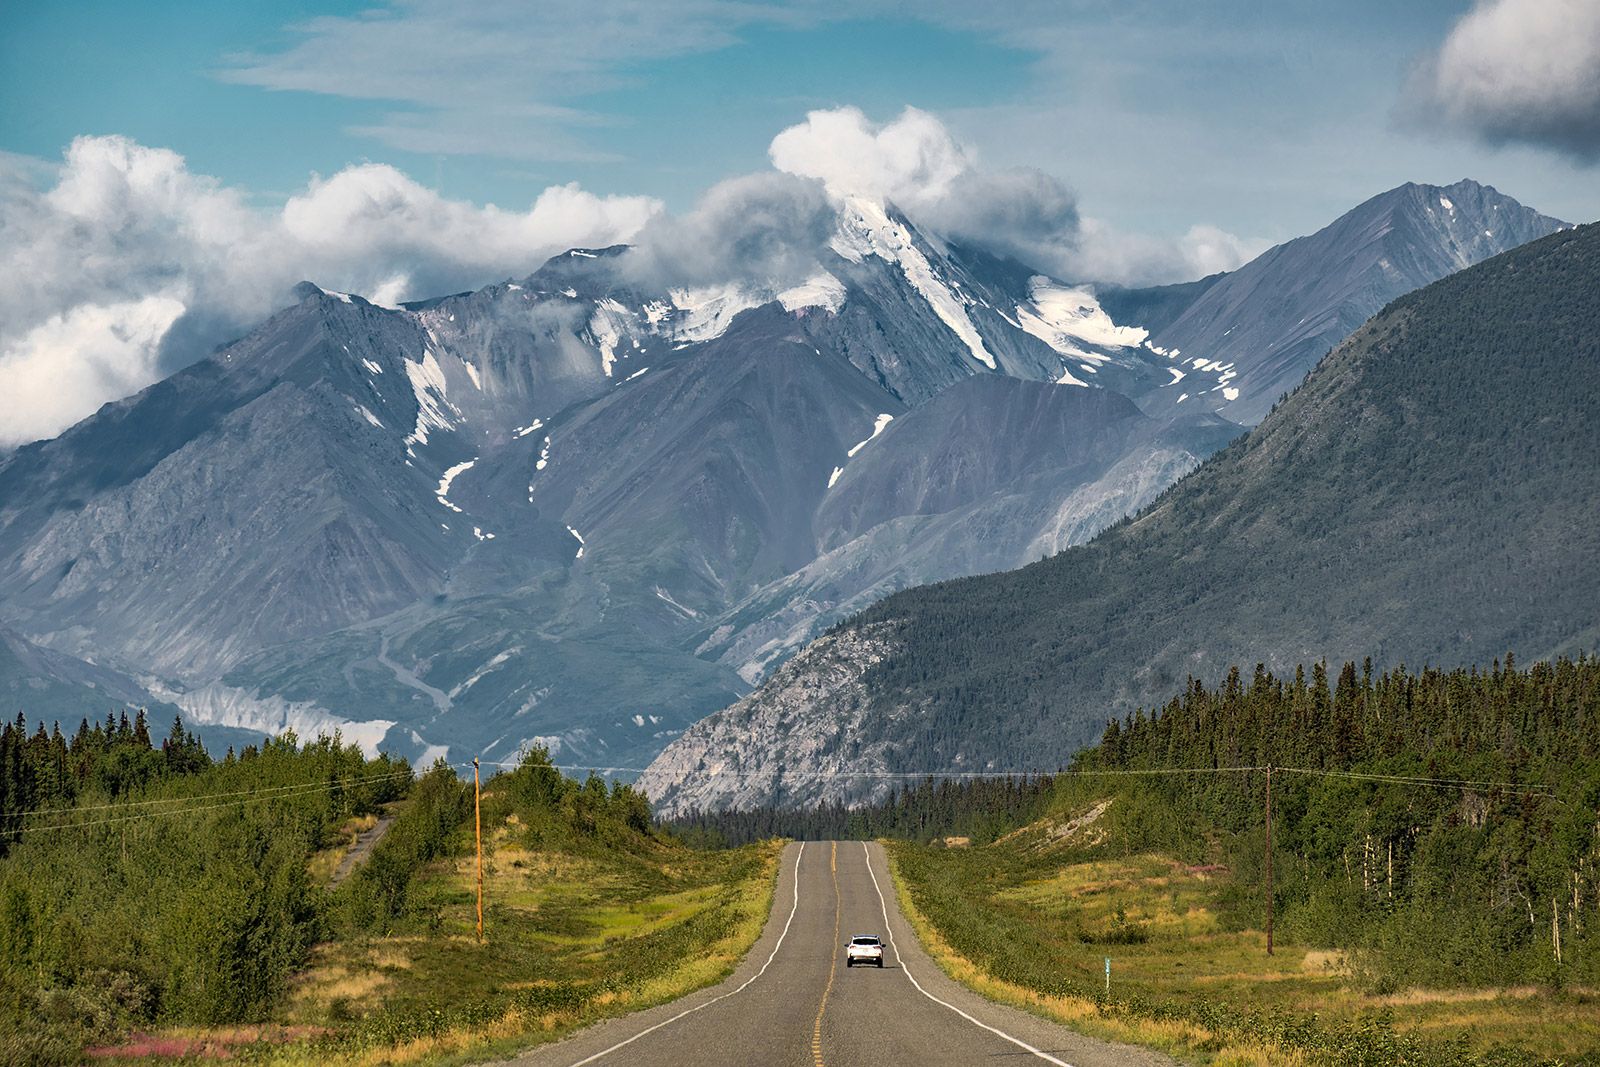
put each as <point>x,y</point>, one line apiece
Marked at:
<point>108,760</point>
<point>978,809</point>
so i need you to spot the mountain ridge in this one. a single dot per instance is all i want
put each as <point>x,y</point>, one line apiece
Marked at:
<point>1420,498</point>
<point>581,509</point>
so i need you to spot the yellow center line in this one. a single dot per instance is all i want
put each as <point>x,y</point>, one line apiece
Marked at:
<point>833,960</point>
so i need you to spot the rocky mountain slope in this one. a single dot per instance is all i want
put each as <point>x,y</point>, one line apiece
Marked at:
<point>1426,497</point>
<point>1270,321</point>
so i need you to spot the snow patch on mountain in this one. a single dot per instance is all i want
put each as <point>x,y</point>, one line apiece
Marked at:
<point>225,705</point>
<point>609,324</point>
<point>494,662</point>
<point>434,409</point>
<point>821,290</point>
<point>662,594</point>
<point>443,492</point>
<point>706,312</point>
<point>865,229</point>
<point>1060,315</point>
<point>878,426</point>
<point>429,752</point>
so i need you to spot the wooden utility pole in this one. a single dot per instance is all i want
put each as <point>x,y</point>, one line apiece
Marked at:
<point>1269,859</point>
<point>477,832</point>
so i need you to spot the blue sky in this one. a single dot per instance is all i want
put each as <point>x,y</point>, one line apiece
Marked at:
<point>1266,119</point>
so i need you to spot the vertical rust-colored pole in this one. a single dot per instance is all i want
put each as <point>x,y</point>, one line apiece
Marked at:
<point>1269,859</point>
<point>477,832</point>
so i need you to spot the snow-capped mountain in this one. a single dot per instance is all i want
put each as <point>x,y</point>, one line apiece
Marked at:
<point>578,508</point>
<point>514,514</point>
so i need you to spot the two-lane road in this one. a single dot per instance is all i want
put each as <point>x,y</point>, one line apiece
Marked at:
<point>794,1002</point>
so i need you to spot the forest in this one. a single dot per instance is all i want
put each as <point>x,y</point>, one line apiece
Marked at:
<point>1445,822</point>
<point>147,884</point>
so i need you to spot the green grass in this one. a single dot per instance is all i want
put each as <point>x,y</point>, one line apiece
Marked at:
<point>574,932</point>
<point>1031,918</point>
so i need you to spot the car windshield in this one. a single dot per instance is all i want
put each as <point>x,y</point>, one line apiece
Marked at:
<point>864,941</point>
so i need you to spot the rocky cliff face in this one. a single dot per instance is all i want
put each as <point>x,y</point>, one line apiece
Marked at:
<point>813,711</point>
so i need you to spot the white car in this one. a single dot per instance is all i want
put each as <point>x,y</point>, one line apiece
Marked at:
<point>865,950</point>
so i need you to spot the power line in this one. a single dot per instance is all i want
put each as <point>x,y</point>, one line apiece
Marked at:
<point>1520,788</point>
<point>299,791</point>
<point>886,775</point>
<point>124,804</point>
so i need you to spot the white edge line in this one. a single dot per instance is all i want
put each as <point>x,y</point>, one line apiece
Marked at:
<point>667,1022</point>
<point>907,971</point>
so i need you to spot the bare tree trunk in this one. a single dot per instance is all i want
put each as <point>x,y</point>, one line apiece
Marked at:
<point>1555,929</point>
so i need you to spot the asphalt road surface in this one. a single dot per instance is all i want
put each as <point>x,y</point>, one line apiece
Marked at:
<point>794,1002</point>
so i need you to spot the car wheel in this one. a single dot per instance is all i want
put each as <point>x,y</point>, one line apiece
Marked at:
<point>849,963</point>
<point>880,965</point>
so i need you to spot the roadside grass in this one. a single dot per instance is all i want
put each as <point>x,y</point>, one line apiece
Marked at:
<point>1029,921</point>
<point>573,934</point>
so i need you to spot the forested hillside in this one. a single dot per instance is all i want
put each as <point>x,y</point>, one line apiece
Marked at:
<point>1426,497</point>
<point>141,883</point>
<point>1387,842</point>
<point>156,900</point>
<point>1436,877</point>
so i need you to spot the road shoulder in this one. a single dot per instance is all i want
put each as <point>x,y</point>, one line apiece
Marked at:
<point>590,1044</point>
<point>1049,1039</point>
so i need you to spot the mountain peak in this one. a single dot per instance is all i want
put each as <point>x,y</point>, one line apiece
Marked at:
<point>1388,245</point>
<point>304,291</point>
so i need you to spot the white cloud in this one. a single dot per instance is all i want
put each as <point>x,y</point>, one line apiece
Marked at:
<point>1517,70</point>
<point>72,363</point>
<point>912,161</point>
<point>1107,254</point>
<point>130,264</point>
<point>765,228</point>
<point>915,162</point>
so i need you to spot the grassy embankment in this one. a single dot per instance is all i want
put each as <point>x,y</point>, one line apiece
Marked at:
<point>573,935</point>
<point>590,913</point>
<point>1029,919</point>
